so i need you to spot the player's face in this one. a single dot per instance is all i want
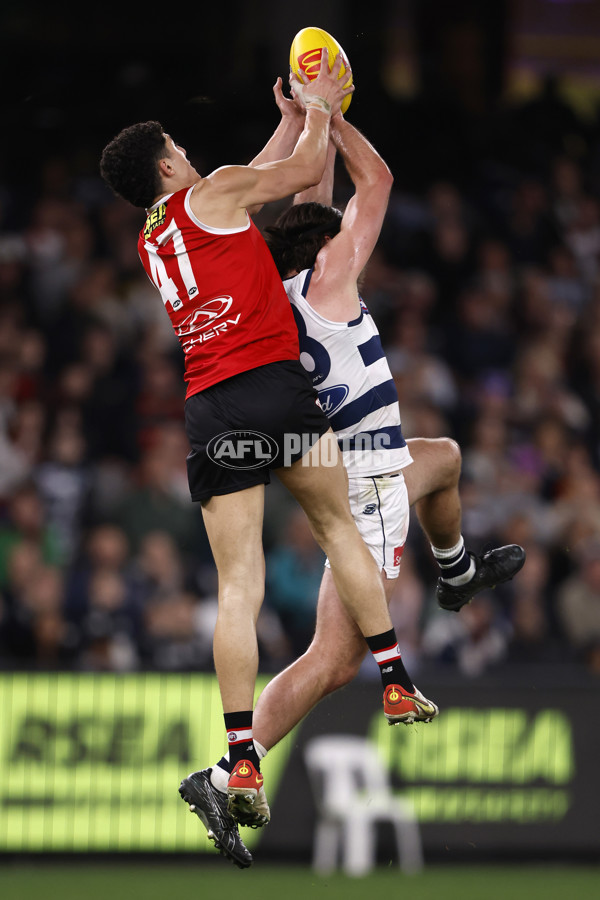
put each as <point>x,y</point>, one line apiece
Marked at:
<point>179,159</point>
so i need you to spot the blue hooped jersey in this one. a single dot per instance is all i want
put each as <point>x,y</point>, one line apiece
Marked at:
<point>356,389</point>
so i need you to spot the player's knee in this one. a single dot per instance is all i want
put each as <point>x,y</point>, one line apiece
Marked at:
<point>241,597</point>
<point>341,674</point>
<point>452,458</point>
<point>333,526</point>
<point>331,669</point>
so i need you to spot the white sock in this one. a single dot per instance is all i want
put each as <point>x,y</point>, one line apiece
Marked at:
<point>457,567</point>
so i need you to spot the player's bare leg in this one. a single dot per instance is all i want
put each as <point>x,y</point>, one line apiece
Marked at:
<point>432,483</point>
<point>322,491</point>
<point>332,660</point>
<point>234,527</point>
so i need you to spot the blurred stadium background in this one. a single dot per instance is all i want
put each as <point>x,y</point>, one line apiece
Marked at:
<point>486,289</point>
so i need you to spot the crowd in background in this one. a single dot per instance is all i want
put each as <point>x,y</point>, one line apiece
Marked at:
<point>487,296</point>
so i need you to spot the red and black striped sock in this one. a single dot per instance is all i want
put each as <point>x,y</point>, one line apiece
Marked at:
<point>239,738</point>
<point>386,652</point>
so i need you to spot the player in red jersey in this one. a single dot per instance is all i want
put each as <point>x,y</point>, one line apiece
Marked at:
<point>321,252</point>
<point>247,395</point>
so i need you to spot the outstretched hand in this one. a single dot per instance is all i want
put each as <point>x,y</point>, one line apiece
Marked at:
<point>288,107</point>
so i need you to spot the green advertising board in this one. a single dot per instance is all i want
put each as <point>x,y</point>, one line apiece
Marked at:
<point>92,763</point>
<point>484,765</point>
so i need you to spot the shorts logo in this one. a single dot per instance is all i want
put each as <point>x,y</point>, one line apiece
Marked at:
<point>242,450</point>
<point>398,551</point>
<point>369,509</point>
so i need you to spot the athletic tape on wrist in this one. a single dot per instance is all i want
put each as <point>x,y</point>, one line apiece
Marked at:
<point>313,101</point>
<point>318,103</point>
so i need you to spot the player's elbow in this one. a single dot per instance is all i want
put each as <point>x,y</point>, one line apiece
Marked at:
<point>310,174</point>
<point>382,178</point>
<point>376,181</point>
<point>387,178</point>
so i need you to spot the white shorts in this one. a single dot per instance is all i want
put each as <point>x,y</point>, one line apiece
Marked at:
<point>379,505</point>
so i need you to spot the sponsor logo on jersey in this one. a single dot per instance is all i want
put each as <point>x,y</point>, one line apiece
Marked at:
<point>332,398</point>
<point>203,324</point>
<point>155,219</point>
<point>242,450</point>
<point>398,551</point>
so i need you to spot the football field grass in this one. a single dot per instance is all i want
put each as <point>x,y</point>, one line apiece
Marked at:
<point>215,881</point>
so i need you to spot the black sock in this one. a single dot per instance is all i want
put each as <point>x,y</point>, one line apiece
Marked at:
<point>239,739</point>
<point>384,648</point>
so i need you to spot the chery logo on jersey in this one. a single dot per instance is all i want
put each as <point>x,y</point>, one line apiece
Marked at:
<point>242,449</point>
<point>202,324</point>
<point>332,398</point>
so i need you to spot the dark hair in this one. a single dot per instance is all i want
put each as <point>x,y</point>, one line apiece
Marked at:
<point>129,163</point>
<point>299,233</point>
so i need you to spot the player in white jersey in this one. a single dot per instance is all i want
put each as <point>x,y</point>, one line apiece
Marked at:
<point>320,254</point>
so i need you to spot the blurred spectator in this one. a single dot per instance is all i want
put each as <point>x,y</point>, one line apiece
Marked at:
<point>108,628</point>
<point>178,632</point>
<point>583,238</point>
<point>294,573</point>
<point>26,521</point>
<point>63,480</point>
<point>480,338</point>
<point>474,642</point>
<point>161,397</point>
<point>534,638</point>
<point>578,605</point>
<point>156,502</point>
<point>567,191</point>
<point>530,231</point>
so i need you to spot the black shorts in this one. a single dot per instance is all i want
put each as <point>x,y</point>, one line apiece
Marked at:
<point>241,428</point>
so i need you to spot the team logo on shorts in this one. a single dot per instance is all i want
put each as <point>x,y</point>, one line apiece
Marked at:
<point>242,450</point>
<point>369,509</point>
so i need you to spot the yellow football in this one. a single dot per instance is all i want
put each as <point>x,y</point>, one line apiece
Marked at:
<point>305,56</point>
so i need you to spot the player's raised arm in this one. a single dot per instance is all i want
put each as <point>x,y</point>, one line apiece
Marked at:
<point>347,254</point>
<point>235,188</point>
<point>285,137</point>
<point>323,191</point>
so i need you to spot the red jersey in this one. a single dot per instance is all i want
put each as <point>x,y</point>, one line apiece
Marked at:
<point>221,290</point>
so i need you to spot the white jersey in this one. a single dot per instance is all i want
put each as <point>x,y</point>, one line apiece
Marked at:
<point>356,389</point>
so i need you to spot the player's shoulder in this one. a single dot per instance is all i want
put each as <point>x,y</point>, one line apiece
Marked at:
<point>331,269</point>
<point>225,178</point>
